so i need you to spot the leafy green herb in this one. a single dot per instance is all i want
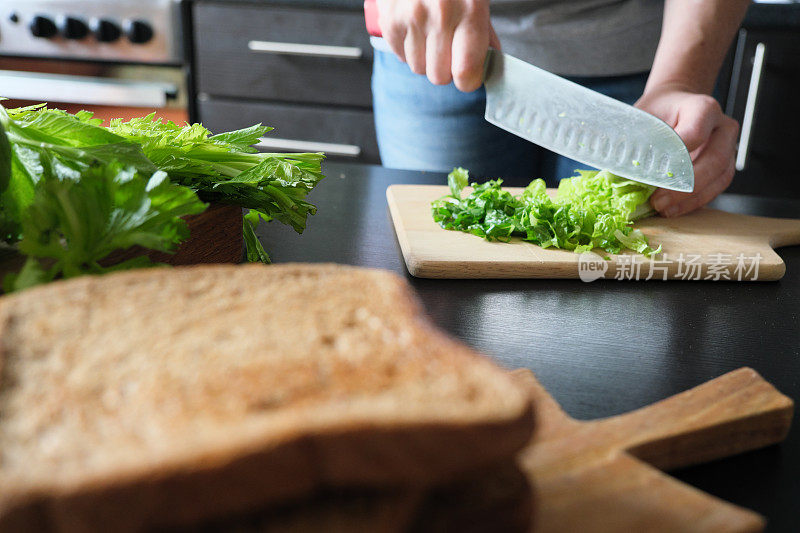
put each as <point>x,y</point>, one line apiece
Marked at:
<point>72,225</point>
<point>594,209</point>
<point>5,159</point>
<point>255,252</point>
<point>225,168</point>
<point>46,154</point>
<point>40,141</point>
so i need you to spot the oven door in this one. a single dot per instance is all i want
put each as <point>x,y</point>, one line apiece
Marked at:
<point>108,90</point>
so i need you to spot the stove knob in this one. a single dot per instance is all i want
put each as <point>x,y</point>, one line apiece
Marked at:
<point>73,28</point>
<point>138,31</point>
<point>105,31</point>
<point>43,27</point>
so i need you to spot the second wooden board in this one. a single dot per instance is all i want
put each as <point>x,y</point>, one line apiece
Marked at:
<point>707,244</point>
<point>605,475</point>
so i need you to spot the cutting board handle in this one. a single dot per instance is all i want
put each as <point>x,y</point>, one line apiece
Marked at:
<point>733,413</point>
<point>777,231</point>
<point>786,232</point>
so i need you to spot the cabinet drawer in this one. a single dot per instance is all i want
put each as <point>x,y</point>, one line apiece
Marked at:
<point>763,98</point>
<point>283,53</point>
<point>343,134</point>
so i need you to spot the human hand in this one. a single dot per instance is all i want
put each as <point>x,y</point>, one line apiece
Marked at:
<point>446,40</point>
<point>709,135</point>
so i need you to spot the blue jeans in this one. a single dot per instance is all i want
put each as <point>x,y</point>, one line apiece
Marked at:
<point>422,126</point>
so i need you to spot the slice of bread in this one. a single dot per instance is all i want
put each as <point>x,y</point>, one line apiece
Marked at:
<point>494,498</point>
<point>160,397</point>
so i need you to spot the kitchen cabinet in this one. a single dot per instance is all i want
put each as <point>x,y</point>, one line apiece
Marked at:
<point>304,67</point>
<point>352,129</point>
<point>304,70</point>
<point>759,89</point>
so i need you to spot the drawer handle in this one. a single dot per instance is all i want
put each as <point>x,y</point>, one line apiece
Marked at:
<point>750,106</point>
<point>84,89</point>
<point>291,145</point>
<point>309,50</point>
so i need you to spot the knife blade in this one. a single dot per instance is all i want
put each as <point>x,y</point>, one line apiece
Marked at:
<point>584,125</point>
<point>574,121</point>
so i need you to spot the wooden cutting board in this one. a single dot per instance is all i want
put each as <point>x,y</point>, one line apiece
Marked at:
<point>605,475</point>
<point>591,477</point>
<point>706,244</point>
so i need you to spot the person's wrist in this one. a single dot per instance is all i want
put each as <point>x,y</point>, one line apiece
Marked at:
<point>676,84</point>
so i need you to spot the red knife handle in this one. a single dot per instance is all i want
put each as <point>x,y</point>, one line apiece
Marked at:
<point>371,17</point>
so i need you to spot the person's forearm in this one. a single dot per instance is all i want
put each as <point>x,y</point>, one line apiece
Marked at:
<point>695,37</point>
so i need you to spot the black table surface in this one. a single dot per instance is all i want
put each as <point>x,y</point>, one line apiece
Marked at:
<point>600,348</point>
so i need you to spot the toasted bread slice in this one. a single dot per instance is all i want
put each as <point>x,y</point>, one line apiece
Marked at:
<point>494,498</point>
<point>163,396</point>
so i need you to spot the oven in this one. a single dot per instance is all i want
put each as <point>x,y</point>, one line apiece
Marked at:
<point>116,58</point>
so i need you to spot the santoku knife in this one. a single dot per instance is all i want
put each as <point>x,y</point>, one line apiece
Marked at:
<point>577,122</point>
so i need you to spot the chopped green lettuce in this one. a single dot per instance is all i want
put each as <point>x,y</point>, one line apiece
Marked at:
<point>594,209</point>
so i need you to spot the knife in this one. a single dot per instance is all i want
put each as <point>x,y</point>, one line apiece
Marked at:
<point>577,122</point>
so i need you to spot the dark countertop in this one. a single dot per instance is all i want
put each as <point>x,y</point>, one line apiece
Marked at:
<point>600,348</point>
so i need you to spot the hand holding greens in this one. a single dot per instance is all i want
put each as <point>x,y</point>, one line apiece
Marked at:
<point>72,191</point>
<point>594,209</point>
